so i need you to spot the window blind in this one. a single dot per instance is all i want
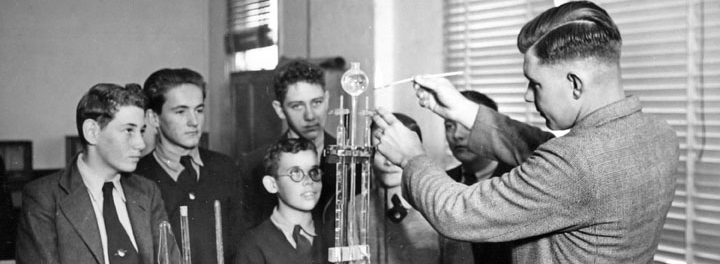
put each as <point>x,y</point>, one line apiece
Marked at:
<point>480,39</point>
<point>249,25</point>
<point>671,61</point>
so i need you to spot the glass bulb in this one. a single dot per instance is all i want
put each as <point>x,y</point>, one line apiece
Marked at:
<point>354,81</point>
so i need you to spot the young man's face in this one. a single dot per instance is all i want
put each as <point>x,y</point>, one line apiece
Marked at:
<point>457,136</point>
<point>552,93</point>
<point>120,142</point>
<point>304,109</point>
<point>388,174</point>
<point>183,114</point>
<point>303,195</point>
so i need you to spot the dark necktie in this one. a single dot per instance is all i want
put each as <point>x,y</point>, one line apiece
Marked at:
<point>188,177</point>
<point>397,212</point>
<point>303,244</point>
<point>120,248</point>
<point>470,178</point>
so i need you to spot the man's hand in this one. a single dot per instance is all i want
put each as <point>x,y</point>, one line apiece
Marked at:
<point>397,143</point>
<point>441,97</point>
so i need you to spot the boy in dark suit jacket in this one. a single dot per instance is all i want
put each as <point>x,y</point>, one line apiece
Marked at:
<point>293,174</point>
<point>95,210</point>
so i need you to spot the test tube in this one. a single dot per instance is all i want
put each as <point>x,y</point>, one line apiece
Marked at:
<point>218,234</point>
<point>185,230</point>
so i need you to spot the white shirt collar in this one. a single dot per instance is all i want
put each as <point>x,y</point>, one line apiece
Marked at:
<point>286,226</point>
<point>94,184</point>
<point>171,160</point>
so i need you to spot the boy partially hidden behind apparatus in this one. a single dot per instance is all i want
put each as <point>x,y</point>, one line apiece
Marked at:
<point>289,235</point>
<point>397,233</point>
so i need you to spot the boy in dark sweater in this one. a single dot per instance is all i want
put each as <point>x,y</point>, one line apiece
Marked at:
<point>289,235</point>
<point>187,174</point>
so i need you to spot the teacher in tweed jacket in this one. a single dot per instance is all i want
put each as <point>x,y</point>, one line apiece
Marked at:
<point>598,194</point>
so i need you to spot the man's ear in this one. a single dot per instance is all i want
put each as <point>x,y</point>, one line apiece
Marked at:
<point>327,97</point>
<point>270,184</point>
<point>91,131</point>
<point>278,109</point>
<point>152,118</point>
<point>577,85</point>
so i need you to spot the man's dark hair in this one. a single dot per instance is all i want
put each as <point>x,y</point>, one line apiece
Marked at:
<point>480,98</point>
<point>102,101</point>
<point>573,30</point>
<point>288,145</point>
<point>295,71</point>
<point>161,81</point>
<point>405,120</point>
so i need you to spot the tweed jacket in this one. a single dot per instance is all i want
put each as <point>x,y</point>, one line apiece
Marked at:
<point>457,252</point>
<point>219,180</point>
<point>598,194</point>
<point>58,224</point>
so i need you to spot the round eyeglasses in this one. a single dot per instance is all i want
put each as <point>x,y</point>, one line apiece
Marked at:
<point>297,174</point>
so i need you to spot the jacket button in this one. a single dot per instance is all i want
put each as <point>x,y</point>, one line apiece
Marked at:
<point>191,196</point>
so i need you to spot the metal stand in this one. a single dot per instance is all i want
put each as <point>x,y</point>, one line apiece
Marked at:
<point>351,240</point>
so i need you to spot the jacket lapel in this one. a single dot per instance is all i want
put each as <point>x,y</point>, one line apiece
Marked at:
<point>78,209</point>
<point>138,206</point>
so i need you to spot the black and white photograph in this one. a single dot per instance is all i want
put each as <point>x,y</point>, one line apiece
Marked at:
<point>359,131</point>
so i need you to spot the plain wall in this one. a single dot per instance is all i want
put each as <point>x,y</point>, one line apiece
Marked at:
<point>52,52</point>
<point>409,42</point>
<point>328,28</point>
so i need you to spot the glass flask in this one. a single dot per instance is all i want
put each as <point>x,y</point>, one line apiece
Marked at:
<point>354,81</point>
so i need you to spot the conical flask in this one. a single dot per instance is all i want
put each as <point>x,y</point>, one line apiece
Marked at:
<point>166,236</point>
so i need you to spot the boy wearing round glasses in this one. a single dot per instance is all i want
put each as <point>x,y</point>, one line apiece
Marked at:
<point>292,172</point>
